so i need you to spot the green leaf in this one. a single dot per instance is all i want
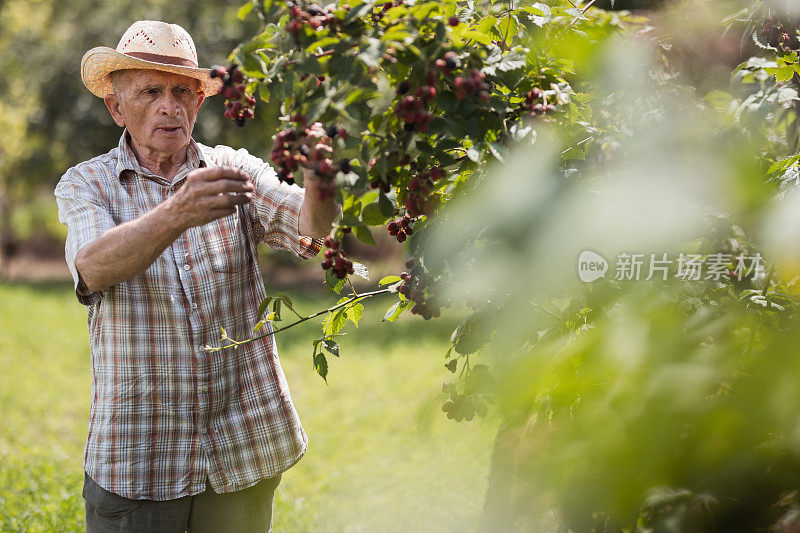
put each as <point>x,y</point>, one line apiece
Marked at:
<point>574,153</point>
<point>361,95</point>
<point>364,235</point>
<point>355,313</point>
<point>321,365</point>
<point>784,74</point>
<point>259,325</point>
<point>394,312</point>
<point>331,346</point>
<point>335,321</point>
<point>385,205</point>
<point>333,283</point>
<point>263,306</point>
<point>477,36</point>
<point>244,10</point>
<point>372,216</point>
<point>388,280</point>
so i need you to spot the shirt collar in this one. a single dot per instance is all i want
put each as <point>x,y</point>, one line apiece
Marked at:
<point>126,160</point>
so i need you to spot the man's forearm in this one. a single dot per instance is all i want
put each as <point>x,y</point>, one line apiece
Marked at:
<point>317,214</point>
<point>128,249</point>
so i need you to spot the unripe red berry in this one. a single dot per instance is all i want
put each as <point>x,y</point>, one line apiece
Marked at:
<point>330,242</point>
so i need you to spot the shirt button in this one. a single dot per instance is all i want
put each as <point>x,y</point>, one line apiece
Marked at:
<point>204,389</point>
<point>203,430</point>
<point>186,267</point>
<point>194,305</point>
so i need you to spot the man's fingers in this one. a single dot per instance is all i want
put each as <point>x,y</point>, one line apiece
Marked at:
<point>228,185</point>
<point>224,200</point>
<point>217,173</point>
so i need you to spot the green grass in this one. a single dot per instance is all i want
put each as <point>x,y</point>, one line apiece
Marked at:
<point>381,456</point>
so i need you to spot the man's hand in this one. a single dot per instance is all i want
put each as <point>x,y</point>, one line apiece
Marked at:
<point>209,194</point>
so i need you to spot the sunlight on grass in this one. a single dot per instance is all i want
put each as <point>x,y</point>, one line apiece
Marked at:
<point>381,454</point>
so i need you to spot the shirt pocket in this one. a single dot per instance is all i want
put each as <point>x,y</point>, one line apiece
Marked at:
<point>225,244</point>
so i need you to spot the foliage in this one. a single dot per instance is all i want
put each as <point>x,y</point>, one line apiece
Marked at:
<point>659,405</point>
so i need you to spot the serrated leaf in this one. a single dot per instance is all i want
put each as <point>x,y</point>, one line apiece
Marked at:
<point>360,270</point>
<point>321,365</point>
<point>331,346</point>
<point>333,283</point>
<point>784,74</point>
<point>355,312</point>
<point>477,36</point>
<point>394,312</point>
<point>388,279</point>
<point>263,306</point>
<point>511,61</point>
<point>334,322</point>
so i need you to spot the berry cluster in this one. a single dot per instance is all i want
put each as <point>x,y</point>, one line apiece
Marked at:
<point>533,106</point>
<point>460,406</point>
<point>418,200</point>
<point>238,103</point>
<point>778,36</point>
<point>313,16</point>
<point>335,259</point>
<point>413,288</point>
<point>413,109</point>
<point>401,228</point>
<point>448,63</point>
<point>474,85</point>
<point>289,157</point>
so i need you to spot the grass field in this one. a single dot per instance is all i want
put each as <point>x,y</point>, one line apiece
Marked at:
<point>381,455</point>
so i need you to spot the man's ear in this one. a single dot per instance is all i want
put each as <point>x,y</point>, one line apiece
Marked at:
<point>113,104</point>
<point>201,96</point>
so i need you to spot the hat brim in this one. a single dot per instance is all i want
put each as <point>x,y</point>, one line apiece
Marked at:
<point>99,62</point>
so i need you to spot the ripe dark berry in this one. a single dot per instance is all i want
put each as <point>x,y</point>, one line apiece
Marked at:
<point>332,131</point>
<point>403,88</point>
<point>453,21</point>
<point>327,264</point>
<point>344,165</point>
<point>218,72</point>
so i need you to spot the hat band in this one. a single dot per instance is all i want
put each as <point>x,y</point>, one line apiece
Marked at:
<point>158,58</point>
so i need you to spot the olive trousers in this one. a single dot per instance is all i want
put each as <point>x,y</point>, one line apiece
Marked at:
<point>248,510</point>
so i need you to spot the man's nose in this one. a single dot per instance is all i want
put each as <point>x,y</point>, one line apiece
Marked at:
<point>170,105</point>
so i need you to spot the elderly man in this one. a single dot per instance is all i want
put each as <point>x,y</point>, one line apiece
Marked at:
<point>162,235</point>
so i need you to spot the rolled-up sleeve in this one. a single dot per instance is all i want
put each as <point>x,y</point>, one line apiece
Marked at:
<point>86,216</point>
<point>276,208</point>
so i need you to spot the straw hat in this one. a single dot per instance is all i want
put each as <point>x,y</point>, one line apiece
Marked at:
<point>147,44</point>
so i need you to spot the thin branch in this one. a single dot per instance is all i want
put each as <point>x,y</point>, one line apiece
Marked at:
<point>349,301</point>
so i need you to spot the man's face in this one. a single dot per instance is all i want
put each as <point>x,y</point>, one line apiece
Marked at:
<point>158,108</point>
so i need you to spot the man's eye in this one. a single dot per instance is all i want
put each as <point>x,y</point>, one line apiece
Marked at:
<point>151,91</point>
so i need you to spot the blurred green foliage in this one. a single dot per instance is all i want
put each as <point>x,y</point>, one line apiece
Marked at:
<point>49,121</point>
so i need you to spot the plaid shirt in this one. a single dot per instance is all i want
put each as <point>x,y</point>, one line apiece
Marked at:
<point>164,413</point>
